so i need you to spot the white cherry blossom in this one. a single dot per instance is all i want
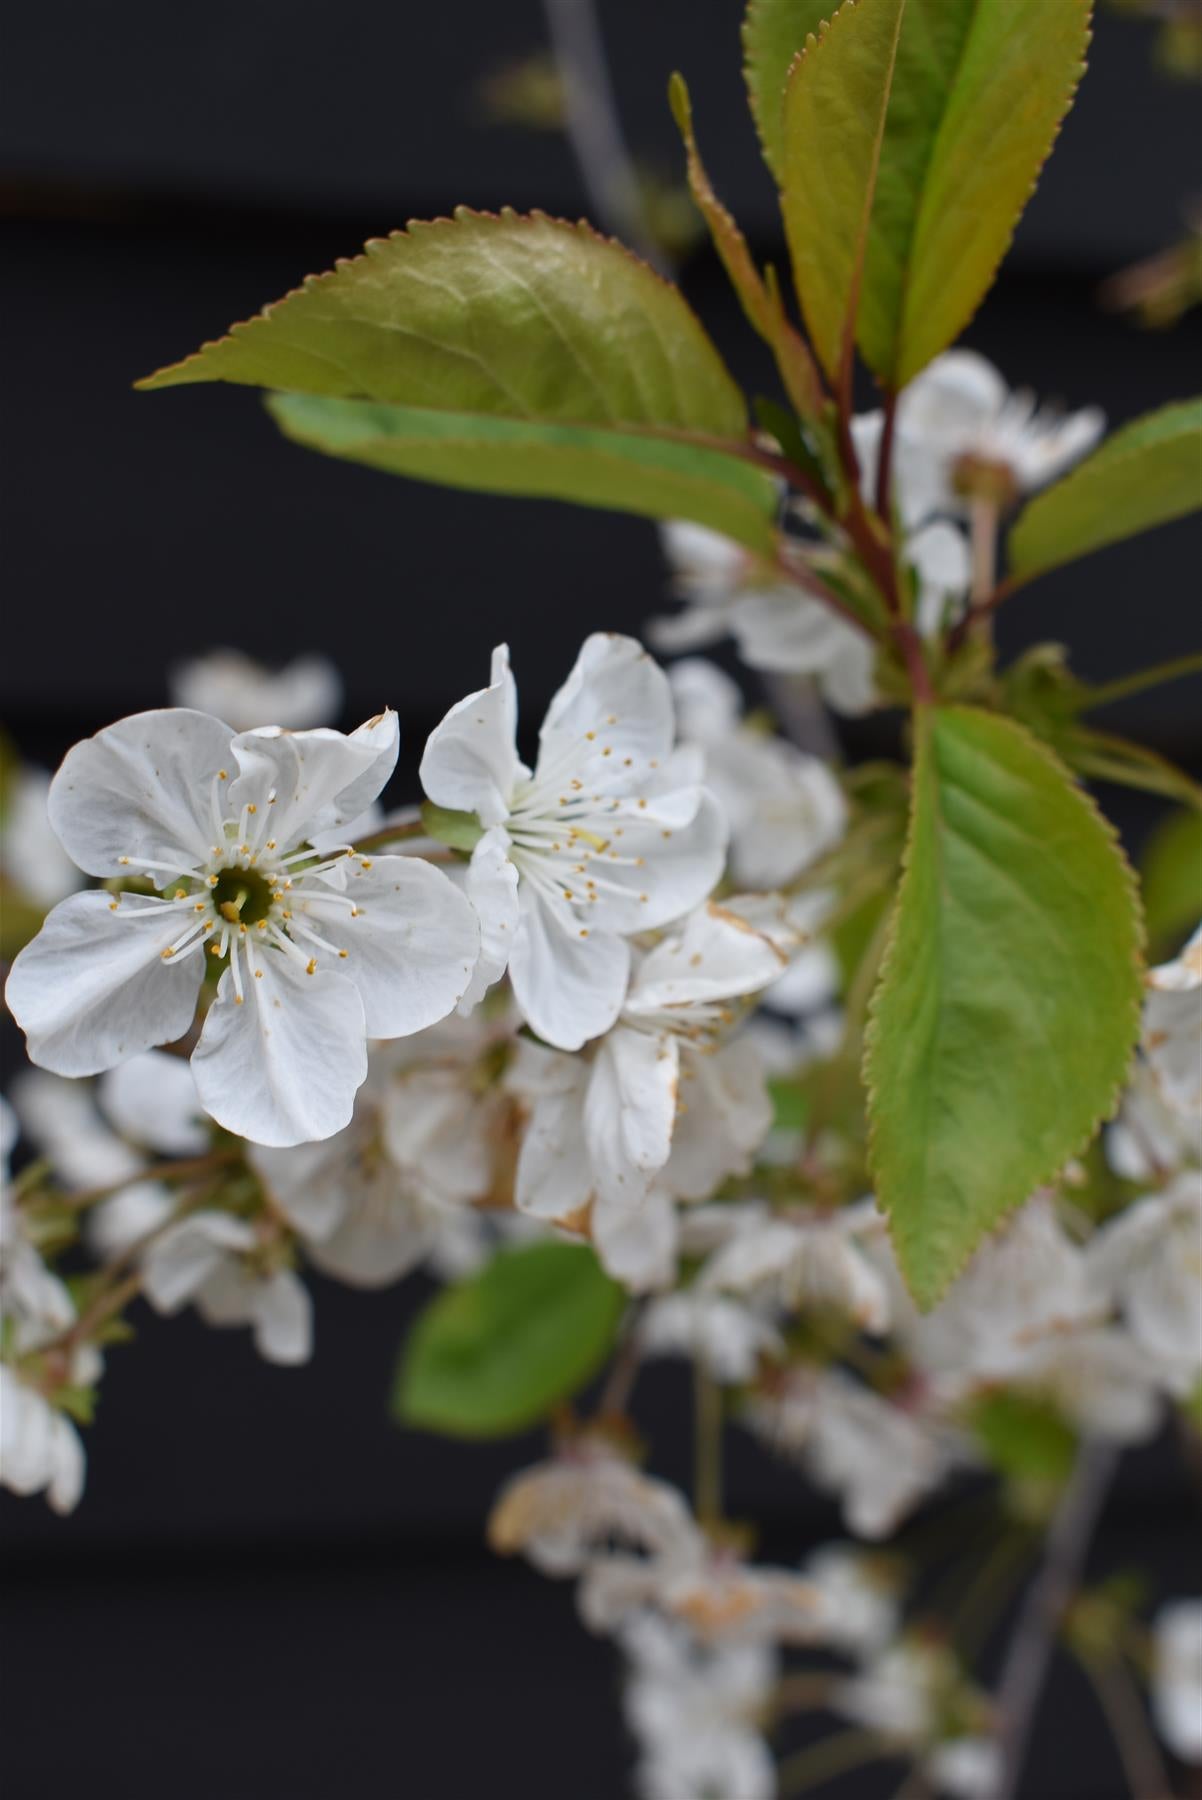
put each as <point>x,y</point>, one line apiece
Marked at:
<point>776,626</point>
<point>958,427</point>
<point>612,834</point>
<point>40,1448</point>
<point>31,857</point>
<point>214,1260</point>
<point>728,1337</point>
<point>808,1258</point>
<point>858,1595</point>
<point>1177,1677</point>
<point>903,1694</point>
<point>1172,1037</point>
<point>784,809</point>
<point>660,1097</point>
<point>1150,1258</point>
<point>232,686</point>
<point>1150,1139</point>
<point>560,1513</point>
<point>322,953</point>
<point>707,1587</point>
<point>695,1711</point>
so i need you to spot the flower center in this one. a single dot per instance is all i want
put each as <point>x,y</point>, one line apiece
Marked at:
<point>242,896</point>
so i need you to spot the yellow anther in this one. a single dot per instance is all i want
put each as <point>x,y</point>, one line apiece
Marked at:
<point>258,974</point>
<point>214,949</point>
<point>167,954</point>
<point>124,861</point>
<point>344,953</point>
<point>590,735</point>
<point>311,966</point>
<point>583,932</point>
<point>210,881</point>
<point>223,775</point>
<point>252,808</point>
<point>112,906</point>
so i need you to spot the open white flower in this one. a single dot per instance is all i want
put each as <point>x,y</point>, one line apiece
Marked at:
<point>322,953</point>
<point>612,834</point>
<point>880,1458</point>
<point>1150,1259</point>
<point>858,1595</point>
<point>232,686</point>
<point>659,1092</point>
<point>728,1337</point>
<point>1173,1028</point>
<point>959,429</point>
<point>808,1259</point>
<point>559,1514</point>
<point>903,1693</point>
<point>696,1711</point>
<point>1150,1139</point>
<point>1177,1677</point>
<point>784,809</point>
<point>709,1588</point>
<point>776,626</point>
<point>40,1449</point>
<point>215,1260</point>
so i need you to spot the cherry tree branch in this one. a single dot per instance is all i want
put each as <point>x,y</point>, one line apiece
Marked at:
<point>1029,1654</point>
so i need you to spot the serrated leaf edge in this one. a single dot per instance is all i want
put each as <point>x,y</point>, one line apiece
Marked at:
<point>872,1032</point>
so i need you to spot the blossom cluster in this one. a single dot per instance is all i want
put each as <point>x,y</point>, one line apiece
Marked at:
<point>607,997</point>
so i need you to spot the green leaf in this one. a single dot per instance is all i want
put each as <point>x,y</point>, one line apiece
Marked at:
<point>773,33</point>
<point>1146,474</point>
<point>790,1106</point>
<point>494,1354</point>
<point>979,92</point>
<point>657,477</point>
<point>1009,998</point>
<point>761,301</point>
<point>1024,1436</point>
<point>1171,878</point>
<point>520,317</point>
<point>834,125</point>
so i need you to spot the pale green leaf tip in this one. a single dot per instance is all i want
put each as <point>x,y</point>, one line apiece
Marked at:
<point>679,102</point>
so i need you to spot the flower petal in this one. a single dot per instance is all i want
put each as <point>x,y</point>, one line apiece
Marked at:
<point>675,868</point>
<point>140,789</point>
<point>285,1067</point>
<point>312,780</point>
<point>612,721</point>
<point>554,1177</point>
<point>629,1112</point>
<point>179,1263</point>
<point>638,1248</point>
<point>725,1116</point>
<point>411,950</point>
<point>569,983</point>
<point>719,954</point>
<point>470,762</point>
<point>284,1319</point>
<point>152,1099</point>
<point>93,989</point>
<point>491,884</point>
<point>305,692</point>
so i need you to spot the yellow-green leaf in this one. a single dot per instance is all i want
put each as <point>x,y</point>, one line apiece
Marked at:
<point>493,1354</point>
<point>773,32</point>
<point>657,477</point>
<point>834,123</point>
<point>1145,475</point>
<point>513,316</point>
<point>1009,999</point>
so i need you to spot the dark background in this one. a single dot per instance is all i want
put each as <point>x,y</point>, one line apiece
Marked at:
<point>267,1590</point>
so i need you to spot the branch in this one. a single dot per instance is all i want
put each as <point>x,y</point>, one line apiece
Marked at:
<point>1029,1653</point>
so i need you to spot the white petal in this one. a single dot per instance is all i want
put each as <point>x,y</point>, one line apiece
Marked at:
<point>140,789</point>
<point>69,1466</point>
<point>470,762</point>
<point>309,1181</point>
<point>152,1099</point>
<point>681,866</point>
<point>955,398</point>
<point>569,986</point>
<point>312,780</point>
<point>708,703</point>
<point>616,697</point>
<point>797,635</point>
<point>92,988</point>
<point>284,1067</point>
<point>491,884</point>
<point>940,559</point>
<point>26,1435</point>
<point>233,686</point>
<point>179,1263</point>
<point>629,1112</point>
<point>554,1176</point>
<point>638,1248</point>
<point>436,1135</point>
<point>412,950</point>
<point>31,856</point>
<point>719,954</point>
<point>724,1119</point>
<point>61,1120</point>
<point>284,1319</point>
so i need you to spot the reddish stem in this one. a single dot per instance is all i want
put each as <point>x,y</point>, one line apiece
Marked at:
<point>884,466</point>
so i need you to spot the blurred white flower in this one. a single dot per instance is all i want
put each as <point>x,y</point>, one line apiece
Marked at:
<point>728,1337</point>
<point>31,857</point>
<point>784,809</point>
<point>559,1514</point>
<point>233,687</point>
<point>40,1449</point>
<point>1177,1677</point>
<point>612,834</point>
<point>1172,1037</point>
<point>810,1258</point>
<point>1149,1258</point>
<point>110,975</point>
<point>696,1712</point>
<point>859,1600</point>
<point>1150,1139</point>
<point>214,1260</point>
<point>902,1694</point>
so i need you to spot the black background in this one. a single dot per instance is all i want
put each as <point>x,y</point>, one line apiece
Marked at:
<point>267,1590</point>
